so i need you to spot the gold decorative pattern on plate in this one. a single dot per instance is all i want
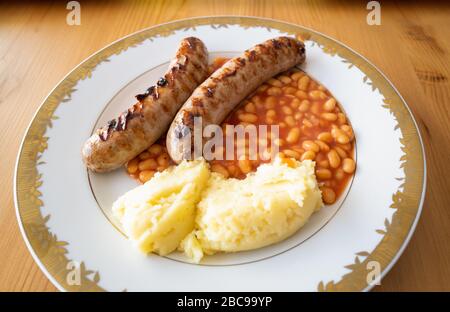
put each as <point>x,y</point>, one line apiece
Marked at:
<point>51,252</point>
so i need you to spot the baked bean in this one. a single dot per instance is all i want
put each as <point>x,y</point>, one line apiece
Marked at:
<point>289,161</point>
<point>145,155</point>
<point>274,91</point>
<point>287,110</point>
<point>317,95</point>
<point>308,155</point>
<point>334,159</point>
<point>302,95</point>
<point>147,164</point>
<point>323,163</point>
<point>233,170</point>
<point>248,117</point>
<point>323,146</point>
<point>304,106</point>
<point>256,99</point>
<point>313,85</point>
<point>245,165</point>
<point>250,107</point>
<point>220,169</point>
<point>341,118</point>
<point>314,120</point>
<point>347,147</point>
<point>298,149</point>
<point>296,76</point>
<point>290,120</point>
<point>340,136</point>
<point>274,82</point>
<point>309,145</point>
<point>285,79</point>
<point>323,174</point>
<point>325,137</point>
<point>146,175</point>
<point>329,116</point>
<point>270,102</point>
<point>155,149</point>
<point>328,195</point>
<point>270,120</point>
<point>292,153</point>
<point>340,151</point>
<point>295,103</point>
<point>289,90</point>
<point>315,108</point>
<point>132,166</point>
<point>348,130</point>
<point>298,116</point>
<point>271,113</point>
<point>329,105</point>
<point>293,135</point>
<point>163,160</point>
<point>303,83</point>
<point>307,123</point>
<point>348,165</point>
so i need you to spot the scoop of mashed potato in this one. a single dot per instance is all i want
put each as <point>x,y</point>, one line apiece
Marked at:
<point>159,214</point>
<point>188,208</point>
<point>264,208</point>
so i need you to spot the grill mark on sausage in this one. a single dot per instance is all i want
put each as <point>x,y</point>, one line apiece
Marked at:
<point>162,82</point>
<point>120,124</point>
<point>209,91</point>
<point>192,42</point>
<point>142,96</point>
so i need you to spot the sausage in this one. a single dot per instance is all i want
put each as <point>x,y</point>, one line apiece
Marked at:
<point>216,97</point>
<point>141,125</point>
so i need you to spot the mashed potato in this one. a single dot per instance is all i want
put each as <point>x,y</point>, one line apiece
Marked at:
<point>158,215</point>
<point>266,207</point>
<point>203,213</point>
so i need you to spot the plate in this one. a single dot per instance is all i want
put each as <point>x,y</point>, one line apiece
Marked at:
<point>64,211</point>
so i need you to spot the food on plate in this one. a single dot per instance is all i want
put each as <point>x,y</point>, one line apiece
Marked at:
<point>216,97</point>
<point>230,214</point>
<point>312,126</point>
<point>159,214</point>
<point>152,160</point>
<point>311,123</point>
<point>227,204</point>
<point>266,207</point>
<point>142,124</point>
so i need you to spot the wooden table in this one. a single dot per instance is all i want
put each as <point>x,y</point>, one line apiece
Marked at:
<point>411,46</point>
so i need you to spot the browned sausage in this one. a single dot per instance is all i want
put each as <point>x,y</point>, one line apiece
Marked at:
<point>142,124</point>
<point>216,97</point>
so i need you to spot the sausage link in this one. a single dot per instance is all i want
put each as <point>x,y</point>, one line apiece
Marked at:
<point>142,124</point>
<point>216,97</point>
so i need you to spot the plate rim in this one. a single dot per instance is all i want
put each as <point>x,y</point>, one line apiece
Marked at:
<point>212,20</point>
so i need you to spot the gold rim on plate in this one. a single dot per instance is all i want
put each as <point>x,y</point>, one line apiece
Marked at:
<point>50,252</point>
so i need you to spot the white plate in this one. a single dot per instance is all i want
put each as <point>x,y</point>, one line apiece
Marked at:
<point>64,212</point>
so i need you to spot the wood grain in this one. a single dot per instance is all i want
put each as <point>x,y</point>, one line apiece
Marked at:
<point>411,46</point>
